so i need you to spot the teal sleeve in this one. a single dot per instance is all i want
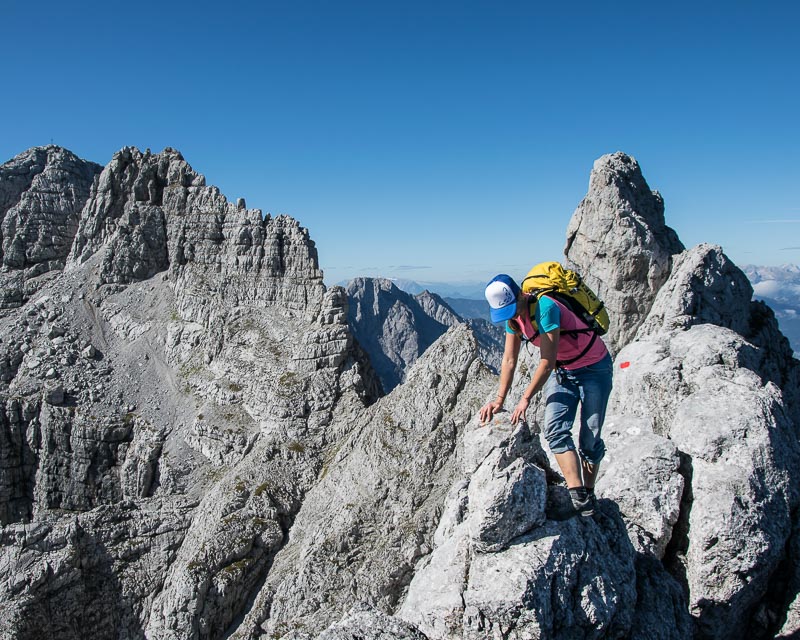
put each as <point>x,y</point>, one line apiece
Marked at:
<point>548,315</point>
<point>509,329</point>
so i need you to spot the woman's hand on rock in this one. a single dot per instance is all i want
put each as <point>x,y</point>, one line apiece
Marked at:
<point>489,409</point>
<point>519,411</point>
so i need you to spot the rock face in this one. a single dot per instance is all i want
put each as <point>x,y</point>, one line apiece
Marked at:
<point>491,337</point>
<point>172,388</point>
<point>373,511</point>
<point>501,568</point>
<point>619,242</point>
<point>42,192</point>
<point>194,443</point>
<point>702,381</point>
<point>391,326</point>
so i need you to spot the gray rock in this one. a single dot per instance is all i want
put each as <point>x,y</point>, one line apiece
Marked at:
<point>618,240</point>
<point>391,326</point>
<point>490,337</point>
<point>699,385</point>
<point>54,395</point>
<point>224,465</point>
<point>42,192</point>
<point>556,579</point>
<point>566,580</point>
<point>641,474</point>
<point>363,622</point>
<point>505,501</point>
<point>661,612</point>
<point>395,328</point>
<point>705,288</point>
<point>361,545</point>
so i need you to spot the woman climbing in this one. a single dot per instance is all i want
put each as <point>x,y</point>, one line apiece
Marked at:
<point>583,370</point>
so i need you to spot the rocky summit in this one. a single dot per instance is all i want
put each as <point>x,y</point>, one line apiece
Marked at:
<point>198,439</point>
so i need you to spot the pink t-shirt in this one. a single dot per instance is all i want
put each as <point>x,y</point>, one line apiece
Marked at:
<point>571,345</point>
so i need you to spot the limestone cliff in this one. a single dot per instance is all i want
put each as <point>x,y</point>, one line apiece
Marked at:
<point>42,193</point>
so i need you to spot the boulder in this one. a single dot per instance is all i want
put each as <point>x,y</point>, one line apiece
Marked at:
<point>542,579</point>
<point>363,622</point>
<point>691,378</point>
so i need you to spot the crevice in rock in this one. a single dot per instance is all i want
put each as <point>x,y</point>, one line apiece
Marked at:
<point>450,403</point>
<point>19,464</point>
<point>285,522</point>
<point>675,555</point>
<point>771,613</point>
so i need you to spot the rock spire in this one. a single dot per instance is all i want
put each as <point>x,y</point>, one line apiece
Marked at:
<point>619,240</point>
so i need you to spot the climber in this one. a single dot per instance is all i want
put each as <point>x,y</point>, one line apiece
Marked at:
<point>582,374</point>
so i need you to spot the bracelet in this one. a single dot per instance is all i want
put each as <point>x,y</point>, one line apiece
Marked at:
<point>501,397</point>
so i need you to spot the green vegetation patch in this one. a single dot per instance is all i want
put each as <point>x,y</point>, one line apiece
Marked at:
<point>297,447</point>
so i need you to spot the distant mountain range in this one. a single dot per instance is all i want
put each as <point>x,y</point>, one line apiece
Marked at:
<point>465,298</point>
<point>779,287</point>
<point>396,327</point>
<point>471,290</point>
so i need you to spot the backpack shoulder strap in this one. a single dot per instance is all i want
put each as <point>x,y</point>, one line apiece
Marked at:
<point>584,351</point>
<point>570,303</point>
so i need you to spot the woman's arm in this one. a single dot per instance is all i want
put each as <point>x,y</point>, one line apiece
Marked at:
<point>509,364</point>
<point>548,347</point>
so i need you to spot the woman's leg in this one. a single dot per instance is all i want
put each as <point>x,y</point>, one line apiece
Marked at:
<point>561,405</point>
<point>595,387</point>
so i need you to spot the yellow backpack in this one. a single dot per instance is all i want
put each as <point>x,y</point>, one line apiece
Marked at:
<point>567,287</point>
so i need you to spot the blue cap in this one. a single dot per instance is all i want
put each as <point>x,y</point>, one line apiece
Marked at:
<point>501,294</point>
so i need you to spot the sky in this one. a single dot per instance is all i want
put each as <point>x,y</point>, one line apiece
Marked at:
<point>431,141</point>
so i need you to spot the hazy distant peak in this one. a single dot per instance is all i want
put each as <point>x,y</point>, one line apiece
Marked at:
<point>785,272</point>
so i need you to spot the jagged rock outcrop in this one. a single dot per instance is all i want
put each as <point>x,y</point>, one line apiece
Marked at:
<point>42,192</point>
<point>697,385</point>
<point>538,578</point>
<point>364,621</point>
<point>391,326</point>
<point>619,242</point>
<point>372,514</point>
<point>491,337</point>
<point>88,574</point>
<point>702,449</point>
<point>149,213</point>
<point>187,360</point>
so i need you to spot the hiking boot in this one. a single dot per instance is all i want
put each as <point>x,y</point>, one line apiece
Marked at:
<point>583,502</point>
<point>592,497</point>
<point>585,507</point>
<point>566,505</point>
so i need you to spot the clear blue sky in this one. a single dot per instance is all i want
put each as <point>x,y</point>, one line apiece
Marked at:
<point>431,140</point>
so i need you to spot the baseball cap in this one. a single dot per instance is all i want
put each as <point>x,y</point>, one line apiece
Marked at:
<point>501,294</point>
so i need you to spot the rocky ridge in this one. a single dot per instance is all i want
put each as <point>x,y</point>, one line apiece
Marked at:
<point>122,395</point>
<point>193,444</point>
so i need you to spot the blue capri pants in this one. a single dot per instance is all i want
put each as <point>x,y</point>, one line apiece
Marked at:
<point>591,386</point>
